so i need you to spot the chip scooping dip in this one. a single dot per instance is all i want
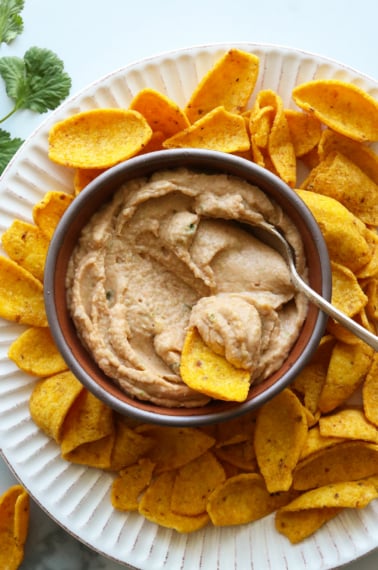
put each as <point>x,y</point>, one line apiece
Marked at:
<point>165,256</point>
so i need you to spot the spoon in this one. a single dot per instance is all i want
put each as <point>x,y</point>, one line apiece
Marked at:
<point>274,238</point>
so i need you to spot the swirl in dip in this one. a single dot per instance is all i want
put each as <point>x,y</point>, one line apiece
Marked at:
<point>166,254</point>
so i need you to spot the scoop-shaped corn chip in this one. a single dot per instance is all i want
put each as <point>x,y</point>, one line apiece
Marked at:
<point>316,442</point>
<point>229,83</point>
<point>27,245</point>
<point>260,123</point>
<point>340,105</point>
<point>279,146</point>
<point>308,512</point>
<point>371,268</point>
<point>88,420</point>
<point>347,295</point>
<point>98,138</point>
<point>131,482</point>
<point>242,499</point>
<point>347,369</point>
<point>51,400</point>
<point>83,176</point>
<point>218,130</point>
<point>21,295</point>
<point>241,455</point>
<point>350,423</point>
<point>93,453</point>
<point>343,232</point>
<point>370,392</point>
<point>35,352</point>
<point>281,430</point>
<point>161,113</point>
<point>305,131</point>
<point>14,523</point>
<point>236,430</point>
<point>193,484</point>
<point>129,446</point>
<point>211,374</point>
<point>155,506</point>
<point>309,382</point>
<point>359,153</point>
<point>345,461</point>
<point>338,177</point>
<point>174,447</point>
<point>48,212</point>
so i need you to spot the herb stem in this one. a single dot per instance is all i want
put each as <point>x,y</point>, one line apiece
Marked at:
<point>9,114</point>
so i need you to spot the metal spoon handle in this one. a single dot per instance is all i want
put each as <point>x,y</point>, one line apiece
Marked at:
<point>329,309</point>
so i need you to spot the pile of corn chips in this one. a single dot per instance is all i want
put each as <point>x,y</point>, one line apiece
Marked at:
<point>308,453</point>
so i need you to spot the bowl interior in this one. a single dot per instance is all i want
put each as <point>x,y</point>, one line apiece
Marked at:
<point>78,214</point>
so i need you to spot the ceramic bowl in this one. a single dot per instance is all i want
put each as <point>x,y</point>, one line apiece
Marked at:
<point>100,191</point>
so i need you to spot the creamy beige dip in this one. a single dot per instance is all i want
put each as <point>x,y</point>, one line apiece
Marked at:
<point>166,254</point>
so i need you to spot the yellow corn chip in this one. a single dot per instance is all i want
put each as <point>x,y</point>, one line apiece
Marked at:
<point>370,392</point>
<point>98,138</point>
<point>308,512</point>
<point>93,453</point>
<point>155,506</point>
<point>193,484</point>
<point>129,446</point>
<point>229,83</point>
<point>51,401</point>
<point>174,447</point>
<point>236,430</point>
<point>349,423</point>
<point>315,442</point>
<point>305,131</point>
<point>345,461</point>
<point>309,382</point>
<point>88,420</point>
<point>347,369</point>
<point>279,147</point>
<point>242,499</point>
<point>347,295</point>
<point>363,156</point>
<point>241,455</point>
<point>21,295</point>
<point>218,130</point>
<point>48,212</point>
<point>132,481</point>
<point>35,352</point>
<point>27,245</point>
<point>338,177</point>
<point>281,430</point>
<point>161,113</point>
<point>211,374</point>
<point>371,268</point>
<point>343,232</point>
<point>342,106</point>
<point>14,523</point>
<point>83,176</point>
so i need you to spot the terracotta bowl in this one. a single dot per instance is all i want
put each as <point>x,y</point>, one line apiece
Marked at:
<point>100,191</point>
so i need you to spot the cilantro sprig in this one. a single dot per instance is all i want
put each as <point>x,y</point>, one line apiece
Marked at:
<point>36,82</point>
<point>8,147</point>
<point>11,23</point>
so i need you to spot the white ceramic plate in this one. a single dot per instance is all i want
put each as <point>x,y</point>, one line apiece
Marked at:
<point>78,497</point>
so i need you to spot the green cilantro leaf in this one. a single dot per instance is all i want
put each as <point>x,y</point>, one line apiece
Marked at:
<point>37,82</point>
<point>8,147</point>
<point>11,23</point>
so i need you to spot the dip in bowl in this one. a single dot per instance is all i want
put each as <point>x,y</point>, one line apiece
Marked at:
<point>154,247</point>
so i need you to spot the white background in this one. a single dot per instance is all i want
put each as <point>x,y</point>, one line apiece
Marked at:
<point>94,37</point>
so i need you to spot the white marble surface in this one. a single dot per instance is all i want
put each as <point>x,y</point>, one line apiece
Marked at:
<point>94,37</point>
